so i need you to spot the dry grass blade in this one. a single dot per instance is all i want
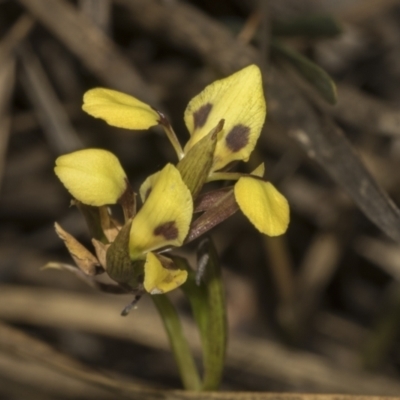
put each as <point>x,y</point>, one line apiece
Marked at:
<point>98,11</point>
<point>15,35</point>
<point>56,125</point>
<point>100,315</point>
<point>382,253</point>
<point>361,11</point>
<point>7,79</point>
<point>319,264</point>
<point>91,46</point>
<point>186,27</point>
<point>16,343</point>
<point>366,112</point>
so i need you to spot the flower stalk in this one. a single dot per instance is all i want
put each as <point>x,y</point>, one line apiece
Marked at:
<point>171,135</point>
<point>179,345</point>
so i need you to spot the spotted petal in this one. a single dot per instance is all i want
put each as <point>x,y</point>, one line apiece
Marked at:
<point>147,186</point>
<point>159,277</point>
<point>93,176</point>
<point>165,216</point>
<point>239,100</point>
<point>119,109</point>
<point>263,205</point>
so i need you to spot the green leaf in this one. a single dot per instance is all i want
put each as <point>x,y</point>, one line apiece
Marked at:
<point>119,264</point>
<point>93,220</point>
<point>196,165</point>
<point>180,347</point>
<point>310,26</point>
<point>314,74</point>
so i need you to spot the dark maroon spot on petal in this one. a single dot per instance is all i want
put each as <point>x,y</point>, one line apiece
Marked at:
<point>238,137</point>
<point>167,263</point>
<point>200,116</point>
<point>168,230</point>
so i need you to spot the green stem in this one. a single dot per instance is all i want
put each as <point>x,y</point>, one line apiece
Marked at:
<point>180,348</point>
<point>207,301</point>
<point>169,131</point>
<point>215,344</point>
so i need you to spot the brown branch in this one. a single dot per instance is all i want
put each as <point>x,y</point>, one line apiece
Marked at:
<point>91,46</point>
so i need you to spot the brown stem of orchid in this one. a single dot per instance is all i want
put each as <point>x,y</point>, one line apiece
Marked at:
<point>225,207</point>
<point>170,134</point>
<point>225,176</point>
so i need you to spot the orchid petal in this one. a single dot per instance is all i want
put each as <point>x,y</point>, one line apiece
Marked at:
<point>93,176</point>
<point>165,216</point>
<point>119,109</point>
<point>263,205</point>
<point>157,278</point>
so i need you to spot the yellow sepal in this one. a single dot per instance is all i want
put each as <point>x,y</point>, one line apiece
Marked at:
<point>119,109</point>
<point>147,186</point>
<point>93,176</point>
<point>263,205</point>
<point>157,278</point>
<point>165,216</point>
<point>239,100</point>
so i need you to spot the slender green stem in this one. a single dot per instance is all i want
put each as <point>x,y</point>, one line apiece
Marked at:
<point>209,310</point>
<point>197,295</point>
<point>171,135</point>
<point>216,335</point>
<point>183,356</point>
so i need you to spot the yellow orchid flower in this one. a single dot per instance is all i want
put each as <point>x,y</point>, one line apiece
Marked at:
<point>236,105</point>
<point>93,176</point>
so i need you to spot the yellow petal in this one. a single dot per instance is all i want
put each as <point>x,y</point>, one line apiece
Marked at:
<point>119,109</point>
<point>157,278</point>
<point>93,176</point>
<point>147,186</point>
<point>263,205</point>
<point>239,100</point>
<point>165,216</point>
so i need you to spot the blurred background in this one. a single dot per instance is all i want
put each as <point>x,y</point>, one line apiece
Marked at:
<point>317,310</point>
